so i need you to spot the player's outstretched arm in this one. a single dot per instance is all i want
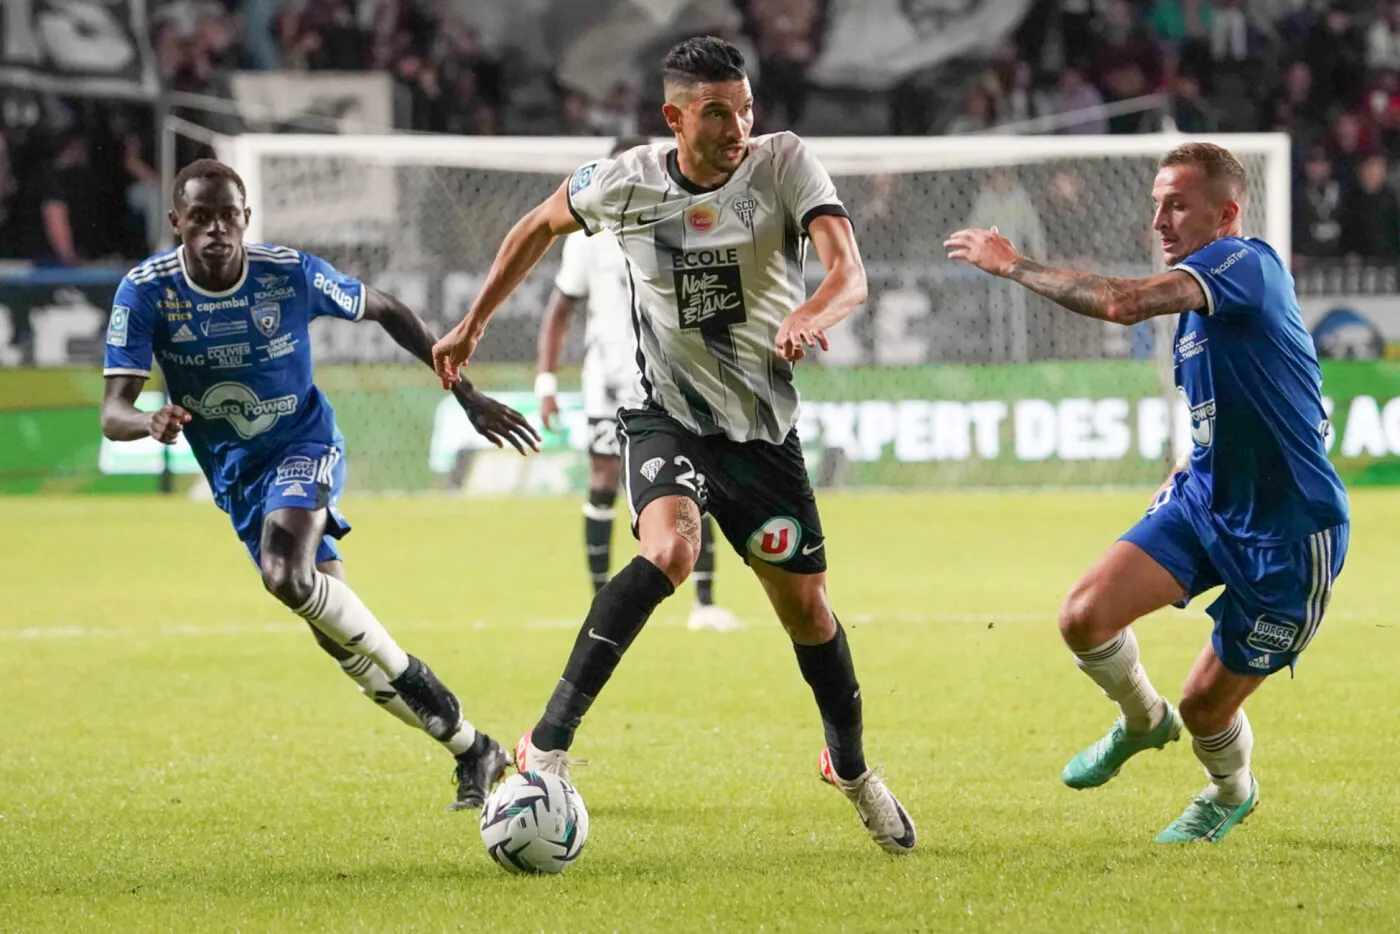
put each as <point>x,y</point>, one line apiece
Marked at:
<point>551,346</point>
<point>1108,298</point>
<point>123,421</point>
<point>841,292</point>
<point>493,420</point>
<point>520,251</point>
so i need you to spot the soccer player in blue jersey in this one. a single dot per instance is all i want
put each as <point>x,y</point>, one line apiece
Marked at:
<point>1255,505</point>
<point>227,322</point>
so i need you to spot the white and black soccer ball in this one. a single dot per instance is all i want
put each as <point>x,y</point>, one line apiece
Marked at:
<point>534,822</point>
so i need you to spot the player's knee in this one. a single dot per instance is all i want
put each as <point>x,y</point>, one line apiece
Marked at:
<point>1078,618</point>
<point>287,583</point>
<point>1203,715</point>
<point>673,553</point>
<point>802,607</point>
<point>808,618</point>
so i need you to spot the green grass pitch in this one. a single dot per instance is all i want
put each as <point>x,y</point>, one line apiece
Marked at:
<point>176,754</point>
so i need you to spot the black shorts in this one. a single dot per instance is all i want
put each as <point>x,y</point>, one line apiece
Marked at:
<point>758,493</point>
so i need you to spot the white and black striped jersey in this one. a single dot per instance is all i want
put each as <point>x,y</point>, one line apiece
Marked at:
<point>713,274</point>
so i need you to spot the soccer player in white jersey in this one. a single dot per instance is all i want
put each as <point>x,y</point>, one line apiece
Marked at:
<point>1256,505</point>
<point>594,270</point>
<point>714,227</point>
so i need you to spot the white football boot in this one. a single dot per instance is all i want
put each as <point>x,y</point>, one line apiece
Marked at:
<point>713,617</point>
<point>530,758</point>
<point>880,811</point>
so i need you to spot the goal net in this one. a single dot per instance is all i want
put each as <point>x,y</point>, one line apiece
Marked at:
<point>946,376</point>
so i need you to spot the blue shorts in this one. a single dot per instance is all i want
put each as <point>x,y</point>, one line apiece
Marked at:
<point>1275,595</point>
<point>301,476</point>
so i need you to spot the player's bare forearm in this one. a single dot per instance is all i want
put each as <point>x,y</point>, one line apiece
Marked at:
<point>1104,297</point>
<point>552,331</point>
<point>843,288</point>
<point>401,323</point>
<point>841,292</point>
<point>1108,298</point>
<point>520,252</point>
<point>121,420</point>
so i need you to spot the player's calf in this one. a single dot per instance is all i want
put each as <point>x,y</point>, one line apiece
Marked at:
<point>618,613</point>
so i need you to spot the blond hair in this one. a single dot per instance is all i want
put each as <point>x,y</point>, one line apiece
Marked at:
<point>1219,165</point>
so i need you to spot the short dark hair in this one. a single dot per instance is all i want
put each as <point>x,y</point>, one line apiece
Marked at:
<point>701,59</point>
<point>206,168</point>
<point>624,143</point>
<point>1219,165</point>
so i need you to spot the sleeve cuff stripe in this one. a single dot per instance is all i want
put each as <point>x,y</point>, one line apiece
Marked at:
<point>822,210</point>
<point>579,217</point>
<point>124,371</point>
<point>1205,286</point>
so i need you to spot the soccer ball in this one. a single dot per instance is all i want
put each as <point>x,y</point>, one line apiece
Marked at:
<point>534,822</point>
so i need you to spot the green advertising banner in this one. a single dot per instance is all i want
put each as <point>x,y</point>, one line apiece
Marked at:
<point>1040,424</point>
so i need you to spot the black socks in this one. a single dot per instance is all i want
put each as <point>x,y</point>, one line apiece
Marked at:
<point>597,534</point>
<point>830,673</point>
<point>619,612</point>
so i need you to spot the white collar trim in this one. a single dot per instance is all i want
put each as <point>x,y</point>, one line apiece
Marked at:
<point>189,280</point>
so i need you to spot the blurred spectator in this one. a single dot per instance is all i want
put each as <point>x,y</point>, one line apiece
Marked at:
<point>1076,96</point>
<point>331,38</point>
<point>978,112</point>
<point>1383,108</point>
<point>786,33</point>
<point>1190,110</point>
<point>1004,203</point>
<point>1337,54</point>
<point>9,202</point>
<point>1371,215</point>
<point>1177,22</point>
<point>1317,205</point>
<point>1077,28</point>
<point>1234,39</point>
<point>574,112</point>
<point>68,198</point>
<point>1383,41</point>
<point>259,47</point>
<point>1022,101</point>
<point>1296,107</point>
<point>1124,57</point>
<point>616,114</point>
<point>1185,27</point>
<point>1348,145</point>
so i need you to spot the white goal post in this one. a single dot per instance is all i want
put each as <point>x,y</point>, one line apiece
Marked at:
<point>842,156</point>
<point>943,365</point>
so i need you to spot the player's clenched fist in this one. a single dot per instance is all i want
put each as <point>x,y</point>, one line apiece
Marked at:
<point>988,250</point>
<point>167,422</point>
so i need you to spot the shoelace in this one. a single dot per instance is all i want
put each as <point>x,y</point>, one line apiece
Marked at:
<point>875,798</point>
<point>1203,816</point>
<point>569,761</point>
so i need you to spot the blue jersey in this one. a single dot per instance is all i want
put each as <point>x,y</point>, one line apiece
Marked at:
<point>1248,370</point>
<point>239,360</point>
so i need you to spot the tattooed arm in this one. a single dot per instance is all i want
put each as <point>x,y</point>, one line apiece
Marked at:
<point>1108,298</point>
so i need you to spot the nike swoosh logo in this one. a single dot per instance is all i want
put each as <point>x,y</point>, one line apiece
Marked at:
<point>592,634</point>
<point>817,547</point>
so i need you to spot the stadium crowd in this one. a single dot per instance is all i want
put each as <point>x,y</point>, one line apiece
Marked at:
<point>78,181</point>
